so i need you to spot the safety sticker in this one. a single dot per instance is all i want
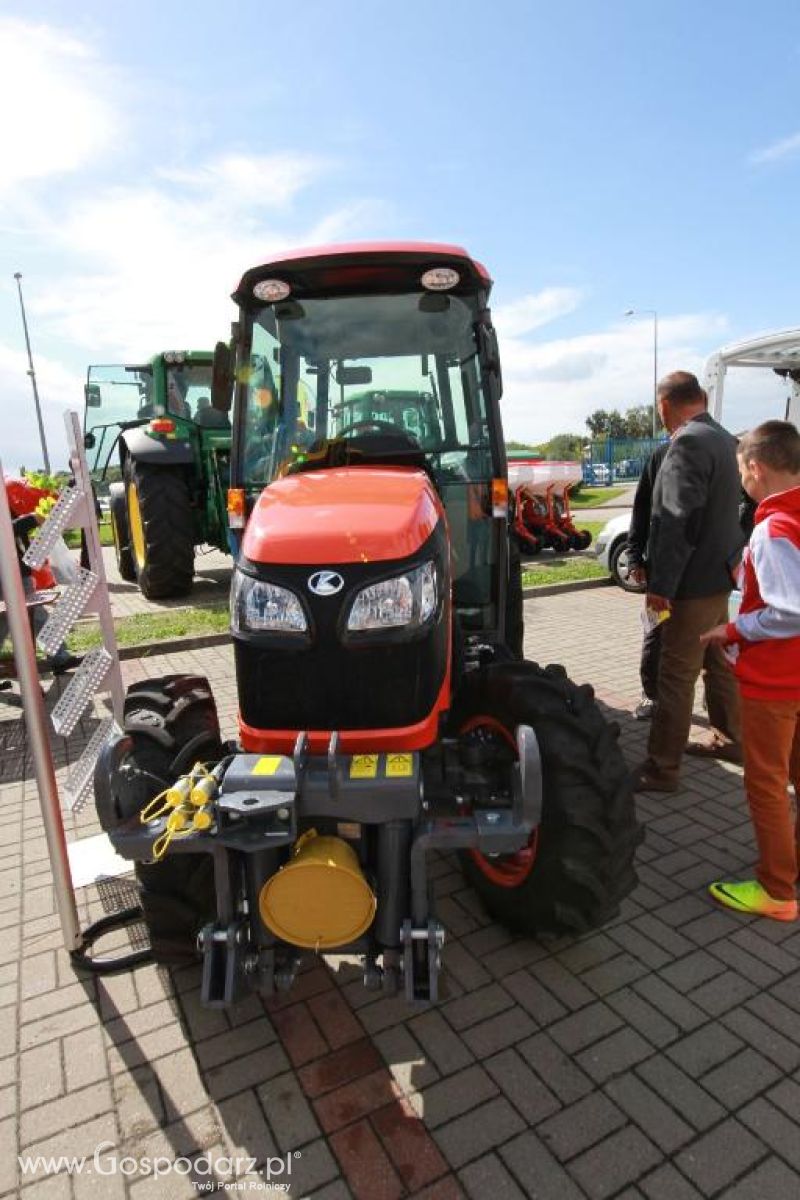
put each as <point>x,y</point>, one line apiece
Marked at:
<point>398,765</point>
<point>364,766</point>
<point>267,765</point>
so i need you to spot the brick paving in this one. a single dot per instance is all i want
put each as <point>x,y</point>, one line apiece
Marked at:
<point>658,1057</point>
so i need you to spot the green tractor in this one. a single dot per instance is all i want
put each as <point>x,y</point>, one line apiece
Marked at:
<point>153,434</point>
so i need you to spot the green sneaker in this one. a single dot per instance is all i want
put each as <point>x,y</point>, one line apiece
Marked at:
<point>748,896</point>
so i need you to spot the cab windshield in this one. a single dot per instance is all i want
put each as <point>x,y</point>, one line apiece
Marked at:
<point>366,367</point>
<point>392,373</point>
<point>120,395</point>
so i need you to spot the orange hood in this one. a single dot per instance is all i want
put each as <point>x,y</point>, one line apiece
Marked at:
<point>343,515</point>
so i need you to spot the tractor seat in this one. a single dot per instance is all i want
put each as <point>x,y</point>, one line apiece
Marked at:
<point>212,418</point>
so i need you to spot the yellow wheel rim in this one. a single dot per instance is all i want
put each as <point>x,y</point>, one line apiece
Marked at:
<point>136,527</point>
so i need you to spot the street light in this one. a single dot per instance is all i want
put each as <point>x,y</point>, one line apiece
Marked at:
<point>633,312</point>
<point>32,374</point>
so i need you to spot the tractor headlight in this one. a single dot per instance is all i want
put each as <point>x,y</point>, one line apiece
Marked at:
<point>408,600</point>
<point>260,607</point>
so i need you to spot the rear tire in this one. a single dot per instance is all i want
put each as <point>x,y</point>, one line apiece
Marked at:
<point>161,526</point>
<point>579,864</point>
<point>119,528</point>
<point>171,723</point>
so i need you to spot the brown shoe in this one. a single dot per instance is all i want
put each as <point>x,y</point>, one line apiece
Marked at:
<point>716,747</point>
<point>645,780</point>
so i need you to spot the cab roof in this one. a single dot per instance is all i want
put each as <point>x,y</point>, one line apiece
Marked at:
<point>362,267</point>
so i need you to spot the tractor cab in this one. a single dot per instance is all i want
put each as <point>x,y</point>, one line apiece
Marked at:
<point>175,386</point>
<point>380,355</point>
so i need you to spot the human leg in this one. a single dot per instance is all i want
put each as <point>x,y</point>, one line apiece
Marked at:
<point>771,753</point>
<point>649,662</point>
<point>722,692</point>
<point>681,663</point>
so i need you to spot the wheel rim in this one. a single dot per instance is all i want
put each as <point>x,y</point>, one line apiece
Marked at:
<point>624,570</point>
<point>504,870</point>
<point>117,542</point>
<point>135,526</point>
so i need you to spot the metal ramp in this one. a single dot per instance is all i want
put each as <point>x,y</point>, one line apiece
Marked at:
<point>90,860</point>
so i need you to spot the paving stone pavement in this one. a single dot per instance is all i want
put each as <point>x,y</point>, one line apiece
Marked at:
<point>658,1057</point>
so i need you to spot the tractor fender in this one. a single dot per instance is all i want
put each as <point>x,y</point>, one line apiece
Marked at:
<point>157,451</point>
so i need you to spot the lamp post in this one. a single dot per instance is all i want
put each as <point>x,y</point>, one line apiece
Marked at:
<point>32,374</point>
<point>633,312</point>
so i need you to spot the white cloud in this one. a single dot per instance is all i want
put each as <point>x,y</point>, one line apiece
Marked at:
<point>785,148</point>
<point>56,116</point>
<point>537,309</point>
<point>59,389</point>
<point>248,180</point>
<point>551,387</point>
<point>158,264</point>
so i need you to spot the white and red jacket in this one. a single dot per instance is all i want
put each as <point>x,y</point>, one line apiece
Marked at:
<point>767,629</point>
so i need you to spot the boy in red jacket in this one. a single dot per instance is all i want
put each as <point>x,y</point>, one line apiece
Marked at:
<point>764,643</point>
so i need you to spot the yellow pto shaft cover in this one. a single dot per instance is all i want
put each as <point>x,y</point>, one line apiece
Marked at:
<point>320,898</point>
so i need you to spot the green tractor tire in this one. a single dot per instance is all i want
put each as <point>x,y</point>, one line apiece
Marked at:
<point>119,528</point>
<point>161,526</point>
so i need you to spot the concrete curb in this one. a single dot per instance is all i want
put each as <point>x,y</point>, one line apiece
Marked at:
<point>202,641</point>
<point>556,589</point>
<point>151,649</point>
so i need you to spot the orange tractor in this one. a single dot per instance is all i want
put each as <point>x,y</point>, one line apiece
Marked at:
<point>385,710</point>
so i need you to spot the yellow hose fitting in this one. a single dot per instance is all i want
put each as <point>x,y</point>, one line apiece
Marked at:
<point>202,819</point>
<point>178,819</point>
<point>180,791</point>
<point>204,792</point>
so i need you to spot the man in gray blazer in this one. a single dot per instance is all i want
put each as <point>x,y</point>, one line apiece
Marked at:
<point>695,540</point>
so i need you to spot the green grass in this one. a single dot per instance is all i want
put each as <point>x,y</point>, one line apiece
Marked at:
<point>542,572</point>
<point>146,628</point>
<point>73,536</point>
<point>593,496</point>
<point>594,527</point>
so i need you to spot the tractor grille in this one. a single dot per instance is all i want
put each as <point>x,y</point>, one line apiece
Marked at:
<point>385,681</point>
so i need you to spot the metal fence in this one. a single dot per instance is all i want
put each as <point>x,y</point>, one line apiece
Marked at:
<point>617,460</point>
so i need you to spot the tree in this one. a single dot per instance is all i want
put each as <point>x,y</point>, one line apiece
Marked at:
<point>639,421</point>
<point>597,422</point>
<point>565,446</point>
<point>609,424</point>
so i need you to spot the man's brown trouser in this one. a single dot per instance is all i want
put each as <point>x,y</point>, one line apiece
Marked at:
<point>683,657</point>
<point>771,759</point>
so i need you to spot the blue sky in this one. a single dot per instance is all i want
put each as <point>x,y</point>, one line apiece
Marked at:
<point>596,156</point>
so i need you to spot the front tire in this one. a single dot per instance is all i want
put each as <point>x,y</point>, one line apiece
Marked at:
<point>171,723</point>
<point>620,567</point>
<point>161,525</point>
<point>578,866</point>
<point>118,511</point>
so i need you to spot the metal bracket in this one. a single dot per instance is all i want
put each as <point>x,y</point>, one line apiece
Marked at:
<point>225,953</point>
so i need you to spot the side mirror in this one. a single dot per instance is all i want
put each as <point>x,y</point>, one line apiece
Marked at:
<point>221,378</point>
<point>93,396</point>
<point>488,348</point>
<point>89,441</point>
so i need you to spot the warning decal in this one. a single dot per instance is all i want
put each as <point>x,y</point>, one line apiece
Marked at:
<point>267,765</point>
<point>364,766</point>
<point>399,765</point>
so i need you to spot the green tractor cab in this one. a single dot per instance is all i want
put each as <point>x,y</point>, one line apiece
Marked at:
<point>156,440</point>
